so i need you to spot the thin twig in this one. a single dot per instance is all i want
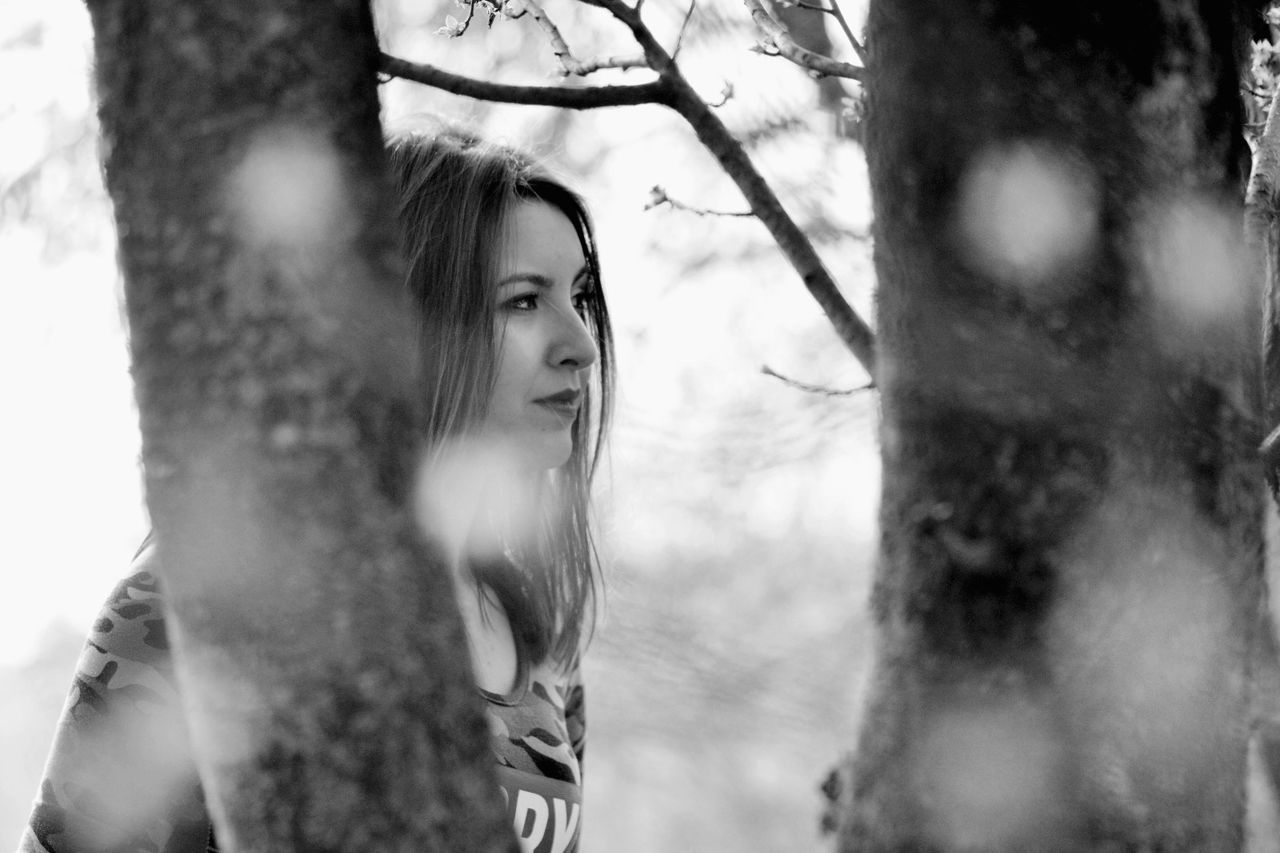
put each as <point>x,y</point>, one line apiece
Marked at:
<point>779,42</point>
<point>658,197</point>
<point>726,94</point>
<point>459,29</point>
<point>858,46</point>
<point>566,97</point>
<point>570,65</point>
<point>815,389</point>
<point>684,25</point>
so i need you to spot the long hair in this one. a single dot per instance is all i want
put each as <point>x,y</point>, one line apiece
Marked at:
<point>455,192</point>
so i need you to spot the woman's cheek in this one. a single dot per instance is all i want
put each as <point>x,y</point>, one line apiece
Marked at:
<point>517,372</point>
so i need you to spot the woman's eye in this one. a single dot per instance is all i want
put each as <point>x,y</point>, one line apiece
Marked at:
<point>582,302</point>
<point>523,302</point>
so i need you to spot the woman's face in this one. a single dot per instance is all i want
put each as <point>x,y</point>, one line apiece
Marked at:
<point>545,351</point>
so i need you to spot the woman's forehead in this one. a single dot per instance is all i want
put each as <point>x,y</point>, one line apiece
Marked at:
<point>540,239</point>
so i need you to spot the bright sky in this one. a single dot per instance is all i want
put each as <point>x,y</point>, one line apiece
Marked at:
<point>70,501</point>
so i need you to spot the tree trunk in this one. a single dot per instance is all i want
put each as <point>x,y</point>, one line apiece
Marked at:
<point>1070,563</point>
<point>317,641</point>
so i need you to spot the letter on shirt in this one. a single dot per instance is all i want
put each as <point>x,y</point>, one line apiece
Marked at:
<point>565,827</point>
<point>528,803</point>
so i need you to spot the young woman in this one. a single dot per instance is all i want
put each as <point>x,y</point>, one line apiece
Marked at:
<point>518,353</point>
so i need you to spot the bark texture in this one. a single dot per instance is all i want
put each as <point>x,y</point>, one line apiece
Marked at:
<point>1070,567</point>
<point>1263,233</point>
<point>317,642</point>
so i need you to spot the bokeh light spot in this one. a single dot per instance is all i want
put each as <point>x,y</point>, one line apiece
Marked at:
<point>1141,640</point>
<point>1193,256</point>
<point>472,496</point>
<point>1026,214</point>
<point>288,189</point>
<point>988,775</point>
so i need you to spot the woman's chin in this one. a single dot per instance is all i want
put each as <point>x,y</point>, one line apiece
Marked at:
<point>548,451</point>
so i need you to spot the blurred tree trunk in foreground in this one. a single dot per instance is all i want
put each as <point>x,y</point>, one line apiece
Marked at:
<point>317,641</point>
<point>1070,563</point>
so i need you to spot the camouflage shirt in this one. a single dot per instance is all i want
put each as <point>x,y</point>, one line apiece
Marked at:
<point>121,777</point>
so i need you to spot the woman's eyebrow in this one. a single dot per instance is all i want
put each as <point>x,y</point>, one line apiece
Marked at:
<point>536,279</point>
<point>582,276</point>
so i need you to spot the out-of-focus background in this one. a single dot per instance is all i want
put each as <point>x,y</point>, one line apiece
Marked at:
<point>738,514</point>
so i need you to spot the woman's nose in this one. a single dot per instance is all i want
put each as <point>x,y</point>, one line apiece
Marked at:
<point>574,345</point>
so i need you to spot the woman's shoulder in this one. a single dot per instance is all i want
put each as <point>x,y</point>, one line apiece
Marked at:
<point>125,666</point>
<point>558,688</point>
<point>131,624</point>
<point>120,766</point>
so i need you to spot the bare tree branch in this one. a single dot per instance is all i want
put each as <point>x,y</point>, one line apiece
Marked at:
<point>658,197</point>
<point>569,64</point>
<point>552,32</point>
<point>566,97</point>
<point>684,26</point>
<point>456,29</point>
<point>624,63</point>
<point>836,95</point>
<point>814,389</point>
<point>857,45</point>
<point>764,202</point>
<point>778,41</point>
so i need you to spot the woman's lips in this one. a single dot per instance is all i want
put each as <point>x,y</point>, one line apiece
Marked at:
<point>564,403</point>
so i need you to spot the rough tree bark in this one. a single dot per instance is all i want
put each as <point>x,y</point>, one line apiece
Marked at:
<point>317,641</point>
<point>1263,235</point>
<point>1070,562</point>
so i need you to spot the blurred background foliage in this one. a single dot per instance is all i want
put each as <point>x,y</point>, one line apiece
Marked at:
<point>737,512</point>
